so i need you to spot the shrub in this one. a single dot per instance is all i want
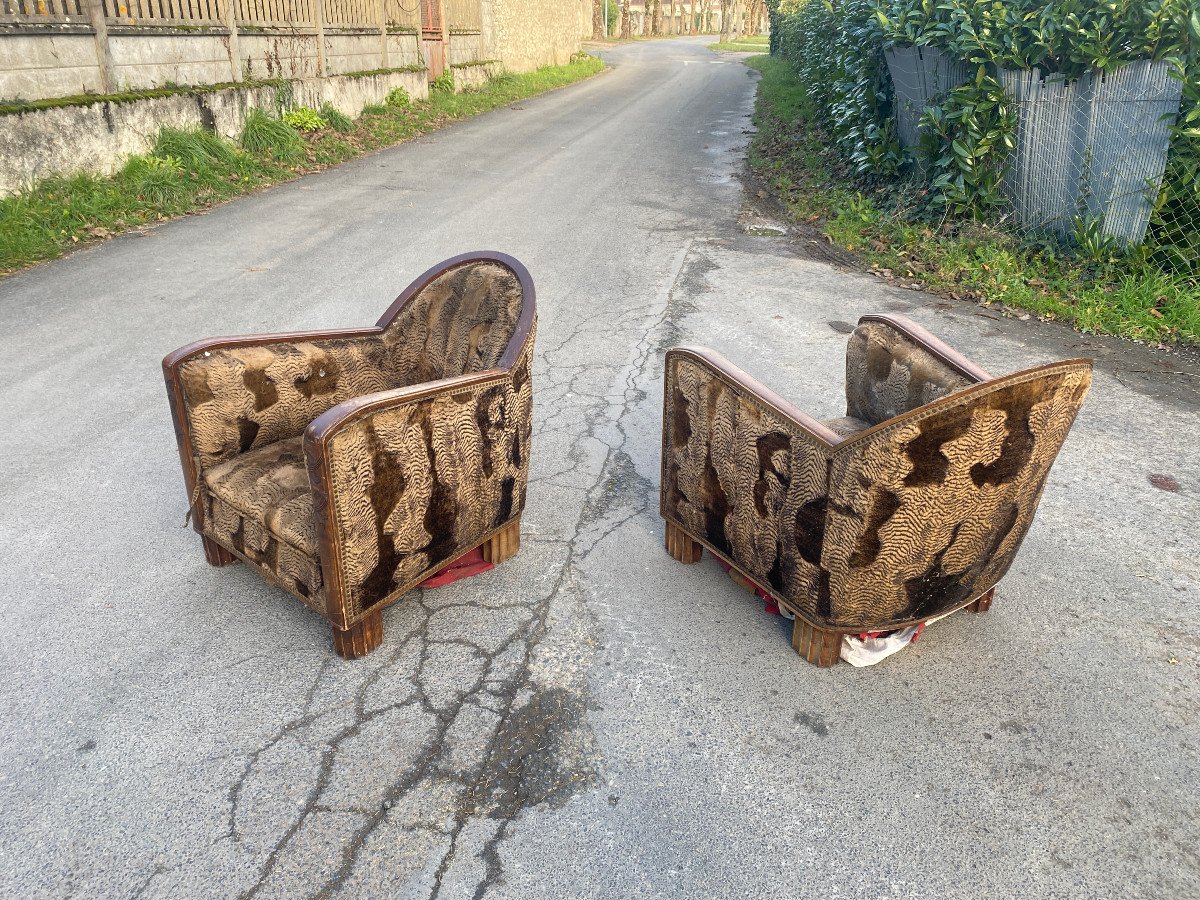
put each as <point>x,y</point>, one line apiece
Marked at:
<point>304,118</point>
<point>271,138</point>
<point>398,98</point>
<point>444,83</point>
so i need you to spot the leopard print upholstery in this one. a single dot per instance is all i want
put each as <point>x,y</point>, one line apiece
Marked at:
<point>893,525</point>
<point>412,485</point>
<point>416,485</point>
<point>888,373</point>
<point>244,397</point>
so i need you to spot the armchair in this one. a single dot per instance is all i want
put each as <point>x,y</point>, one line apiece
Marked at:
<point>349,466</point>
<point>912,505</point>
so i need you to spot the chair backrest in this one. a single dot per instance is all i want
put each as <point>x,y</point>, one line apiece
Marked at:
<point>894,365</point>
<point>927,510</point>
<point>462,320</point>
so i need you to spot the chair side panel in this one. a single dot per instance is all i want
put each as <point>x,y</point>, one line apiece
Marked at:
<point>744,480</point>
<point>929,513</point>
<point>417,485</point>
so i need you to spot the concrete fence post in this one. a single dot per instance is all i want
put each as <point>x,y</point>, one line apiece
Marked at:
<point>319,15</point>
<point>235,53</point>
<point>384,62</point>
<point>104,60</point>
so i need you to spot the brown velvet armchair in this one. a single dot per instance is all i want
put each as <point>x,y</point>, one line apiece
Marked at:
<point>911,506</point>
<point>349,466</point>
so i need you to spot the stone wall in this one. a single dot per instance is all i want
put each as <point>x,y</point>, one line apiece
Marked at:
<point>526,34</point>
<point>99,137</point>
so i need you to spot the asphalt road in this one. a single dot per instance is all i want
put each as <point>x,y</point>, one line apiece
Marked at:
<point>591,719</point>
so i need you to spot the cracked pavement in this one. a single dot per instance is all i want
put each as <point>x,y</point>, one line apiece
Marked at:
<point>590,719</point>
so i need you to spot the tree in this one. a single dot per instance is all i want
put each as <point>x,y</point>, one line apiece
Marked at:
<point>598,22</point>
<point>626,30</point>
<point>726,20</point>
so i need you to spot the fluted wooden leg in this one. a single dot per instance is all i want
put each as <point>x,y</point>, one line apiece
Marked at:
<point>504,544</point>
<point>983,602</point>
<point>360,638</point>
<point>681,546</point>
<point>216,554</point>
<point>821,648</point>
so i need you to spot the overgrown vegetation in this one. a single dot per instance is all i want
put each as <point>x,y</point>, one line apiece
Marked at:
<point>190,170</point>
<point>1098,289</point>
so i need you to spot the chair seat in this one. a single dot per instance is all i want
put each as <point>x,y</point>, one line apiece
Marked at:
<point>260,505</point>
<point>846,425</point>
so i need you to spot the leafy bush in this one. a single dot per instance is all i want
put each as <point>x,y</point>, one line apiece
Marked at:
<point>337,120</point>
<point>443,84</point>
<point>967,138</point>
<point>304,118</point>
<point>837,50</point>
<point>398,98</point>
<point>271,138</point>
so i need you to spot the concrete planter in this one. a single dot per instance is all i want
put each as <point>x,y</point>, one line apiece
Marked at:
<point>1093,148</point>
<point>920,75</point>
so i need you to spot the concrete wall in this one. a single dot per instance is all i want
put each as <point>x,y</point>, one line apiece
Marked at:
<point>60,61</point>
<point>99,137</point>
<point>526,34</point>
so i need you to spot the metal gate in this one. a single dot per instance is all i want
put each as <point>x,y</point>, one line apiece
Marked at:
<point>433,37</point>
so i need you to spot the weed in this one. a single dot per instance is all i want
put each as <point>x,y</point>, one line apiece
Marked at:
<point>443,84</point>
<point>271,138</point>
<point>337,120</point>
<point>304,118</point>
<point>397,98</point>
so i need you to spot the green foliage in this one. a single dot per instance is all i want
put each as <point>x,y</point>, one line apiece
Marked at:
<point>271,138</point>
<point>967,138</point>
<point>196,149</point>
<point>837,50</point>
<point>1094,287</point>
<point>337,120</point>
<point>375,109</point>
<point>304,118</point>
<point>443,84</point>
<point>398,98</point>
<point>613,11</point>
<point>1174,238</point>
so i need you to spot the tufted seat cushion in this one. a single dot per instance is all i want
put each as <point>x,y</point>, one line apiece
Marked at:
<point>260,504</point>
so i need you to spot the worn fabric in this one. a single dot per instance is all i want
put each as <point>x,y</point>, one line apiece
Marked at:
<point>259,505</point>
<point>743,479</point>
<point>416,486</point>
<point>927,515</point>
<point>896,526</point>
<point>887,374</point>
<point>245,397</point>
<point>845,426</point>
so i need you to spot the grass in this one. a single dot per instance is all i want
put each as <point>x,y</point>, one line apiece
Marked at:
<point>188,171</point>
<point>1113,294</point>
<point>755,44</point>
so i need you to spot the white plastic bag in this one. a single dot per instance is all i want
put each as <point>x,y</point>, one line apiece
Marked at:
<point>861,652</point>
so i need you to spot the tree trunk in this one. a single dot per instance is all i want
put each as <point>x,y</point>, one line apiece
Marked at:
<point>626,30</point>
<point>598,23</point>
<point>726,20</point>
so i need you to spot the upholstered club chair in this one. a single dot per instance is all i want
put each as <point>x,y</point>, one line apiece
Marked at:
<point>349,466</point>
<point>912,505</point>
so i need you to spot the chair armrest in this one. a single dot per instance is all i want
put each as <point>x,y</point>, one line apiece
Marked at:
<point>745,473</point>
<point>230,394</point>
<point>405,481</point>
<point>893,365</point>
